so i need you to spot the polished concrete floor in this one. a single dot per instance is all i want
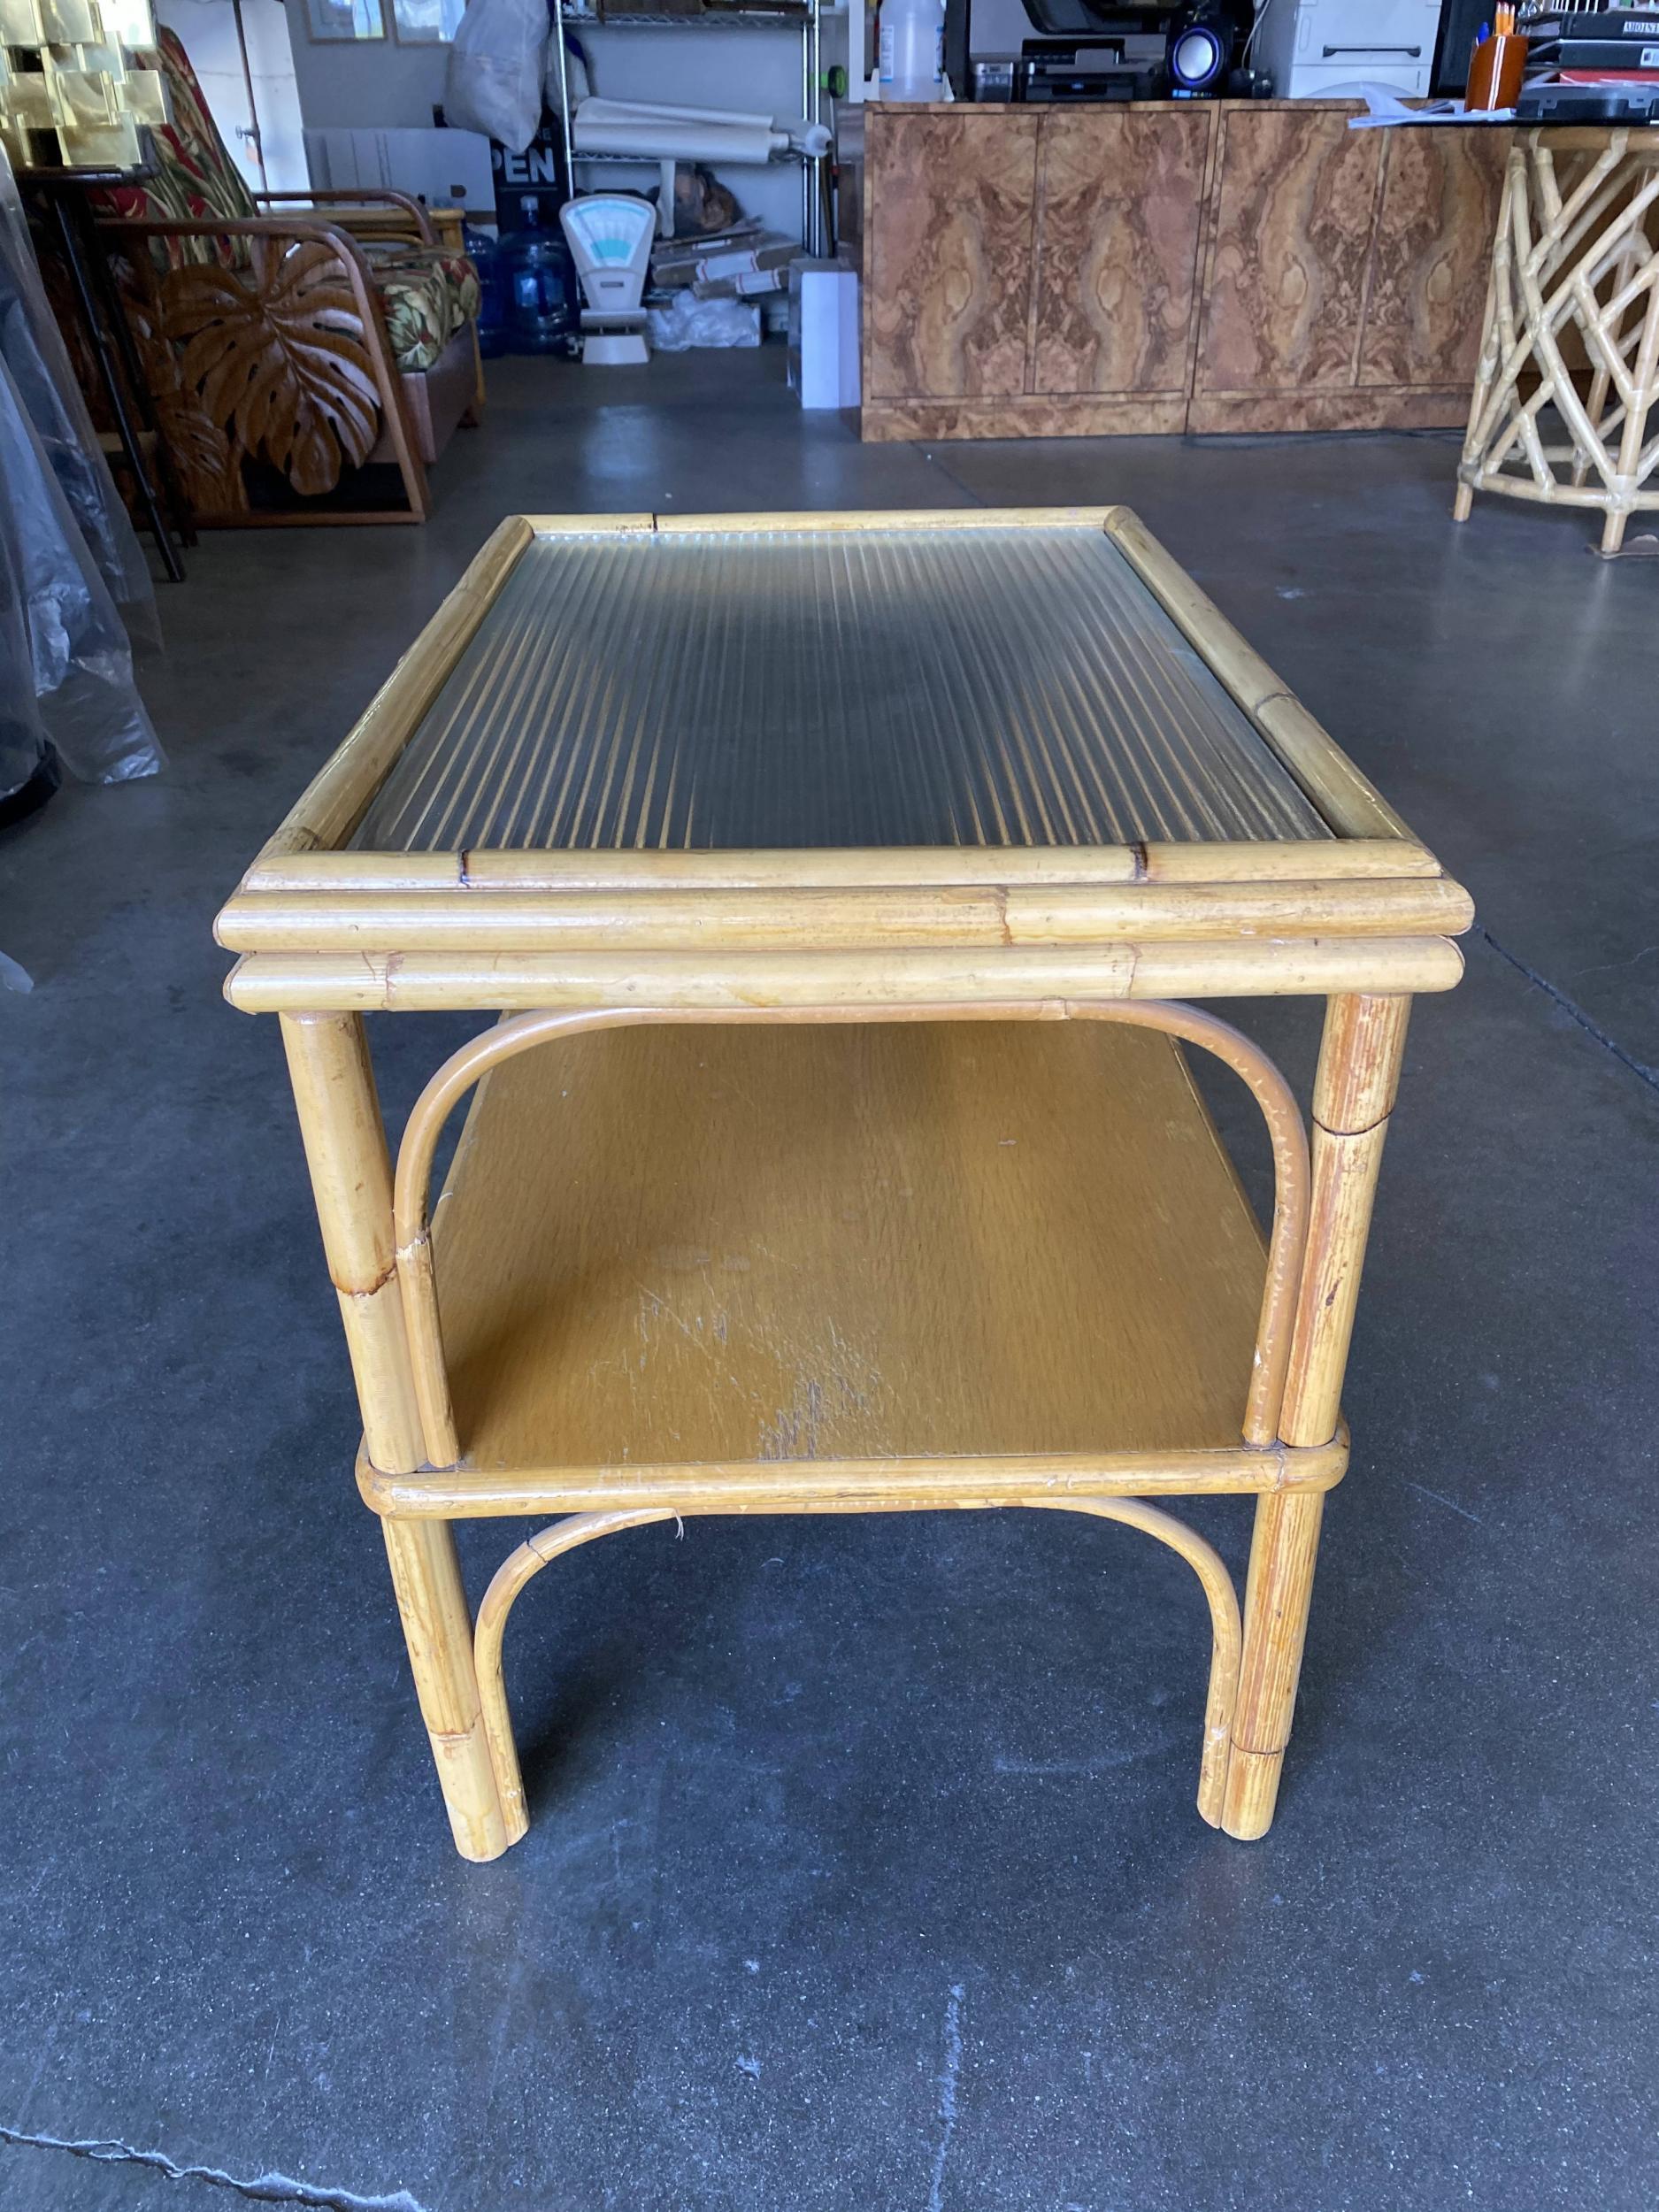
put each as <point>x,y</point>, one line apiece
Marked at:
<point>865,1871</point>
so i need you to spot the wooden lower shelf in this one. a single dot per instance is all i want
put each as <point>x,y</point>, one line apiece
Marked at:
<point>699,1246</point>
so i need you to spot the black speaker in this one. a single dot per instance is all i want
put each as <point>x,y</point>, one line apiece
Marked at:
<point>1199,52</point>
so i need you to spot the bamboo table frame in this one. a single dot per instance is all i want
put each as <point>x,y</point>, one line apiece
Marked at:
<point>560,943</point>
<point>1575,258</point>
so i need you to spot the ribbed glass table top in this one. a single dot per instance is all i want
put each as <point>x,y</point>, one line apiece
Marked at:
<point>710,689</point>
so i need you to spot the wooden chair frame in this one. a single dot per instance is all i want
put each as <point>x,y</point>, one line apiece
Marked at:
<point>268,357</point>
<point>357,210</point>
<point>1577,214</point>
<point>377,376</point>
<point>575,941</point>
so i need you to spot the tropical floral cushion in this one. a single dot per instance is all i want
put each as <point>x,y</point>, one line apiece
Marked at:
<point>447,283</point>
<point>194,179</point>
<point>427,296</point>
<point>469,292</point>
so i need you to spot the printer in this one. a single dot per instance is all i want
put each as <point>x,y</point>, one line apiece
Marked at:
<point>1046,50</point>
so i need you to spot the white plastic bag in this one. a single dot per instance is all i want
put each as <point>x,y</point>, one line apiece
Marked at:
<point>576,82</point>
<point>691,323</point>
<point>493,82</point>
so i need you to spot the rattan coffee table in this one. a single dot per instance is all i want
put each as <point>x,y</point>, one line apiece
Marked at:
<point>839,881</point>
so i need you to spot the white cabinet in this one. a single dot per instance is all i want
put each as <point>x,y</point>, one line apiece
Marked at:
<point>445,168</point>
<point>1312,47</point>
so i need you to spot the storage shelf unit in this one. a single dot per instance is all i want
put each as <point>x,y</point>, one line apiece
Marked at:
<point>809,25</point>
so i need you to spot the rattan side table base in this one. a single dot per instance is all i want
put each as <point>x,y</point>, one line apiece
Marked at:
<point>1572,324</point>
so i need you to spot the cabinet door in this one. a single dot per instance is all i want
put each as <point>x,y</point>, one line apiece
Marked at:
<point>1296,202</point>
<point>1435,232</point>
<point>951,199</point>
<point>1119,214</point>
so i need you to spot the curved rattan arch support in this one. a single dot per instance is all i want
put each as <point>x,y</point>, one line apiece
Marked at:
<point>1225,1630</point>
<point>548,1544</point>
<point>1292,1183</point>
<point>1287,1243</point>
<point>509,1578</point>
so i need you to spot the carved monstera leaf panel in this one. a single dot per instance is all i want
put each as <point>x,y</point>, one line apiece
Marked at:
<point>208,467</point>
<point>276,351</point>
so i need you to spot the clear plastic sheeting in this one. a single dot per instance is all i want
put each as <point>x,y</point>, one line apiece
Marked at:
<point>65,667</point>
<point>39,364</point>
<point>66,550</point>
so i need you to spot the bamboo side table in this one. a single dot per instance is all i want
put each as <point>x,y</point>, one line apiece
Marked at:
<point>839,881</point>
<point>1573,296</point>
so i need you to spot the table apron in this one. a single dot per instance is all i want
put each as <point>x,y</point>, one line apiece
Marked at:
<point>873,1485</point>
<point>1016,983</point>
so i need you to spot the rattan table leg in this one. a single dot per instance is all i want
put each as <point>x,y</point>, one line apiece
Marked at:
<point>1278,1592</point>
<point>1354,1093</point>
<point>1633,431</point>
<point>345,1150</point>
<point>438,1630</point>
<point>1486,368</point>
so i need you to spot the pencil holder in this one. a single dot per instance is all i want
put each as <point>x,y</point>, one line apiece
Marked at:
<point>1495,71</point>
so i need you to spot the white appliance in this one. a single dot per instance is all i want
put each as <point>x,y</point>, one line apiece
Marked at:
<point>443,167</point>
<point>1315,48</point>
<point>609,237</point>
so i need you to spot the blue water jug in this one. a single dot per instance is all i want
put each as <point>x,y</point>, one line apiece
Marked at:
<point>540,286</point>
<point>484,255</point>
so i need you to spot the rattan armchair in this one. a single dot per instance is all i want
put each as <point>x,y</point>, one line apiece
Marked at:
<point>289,340</point>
